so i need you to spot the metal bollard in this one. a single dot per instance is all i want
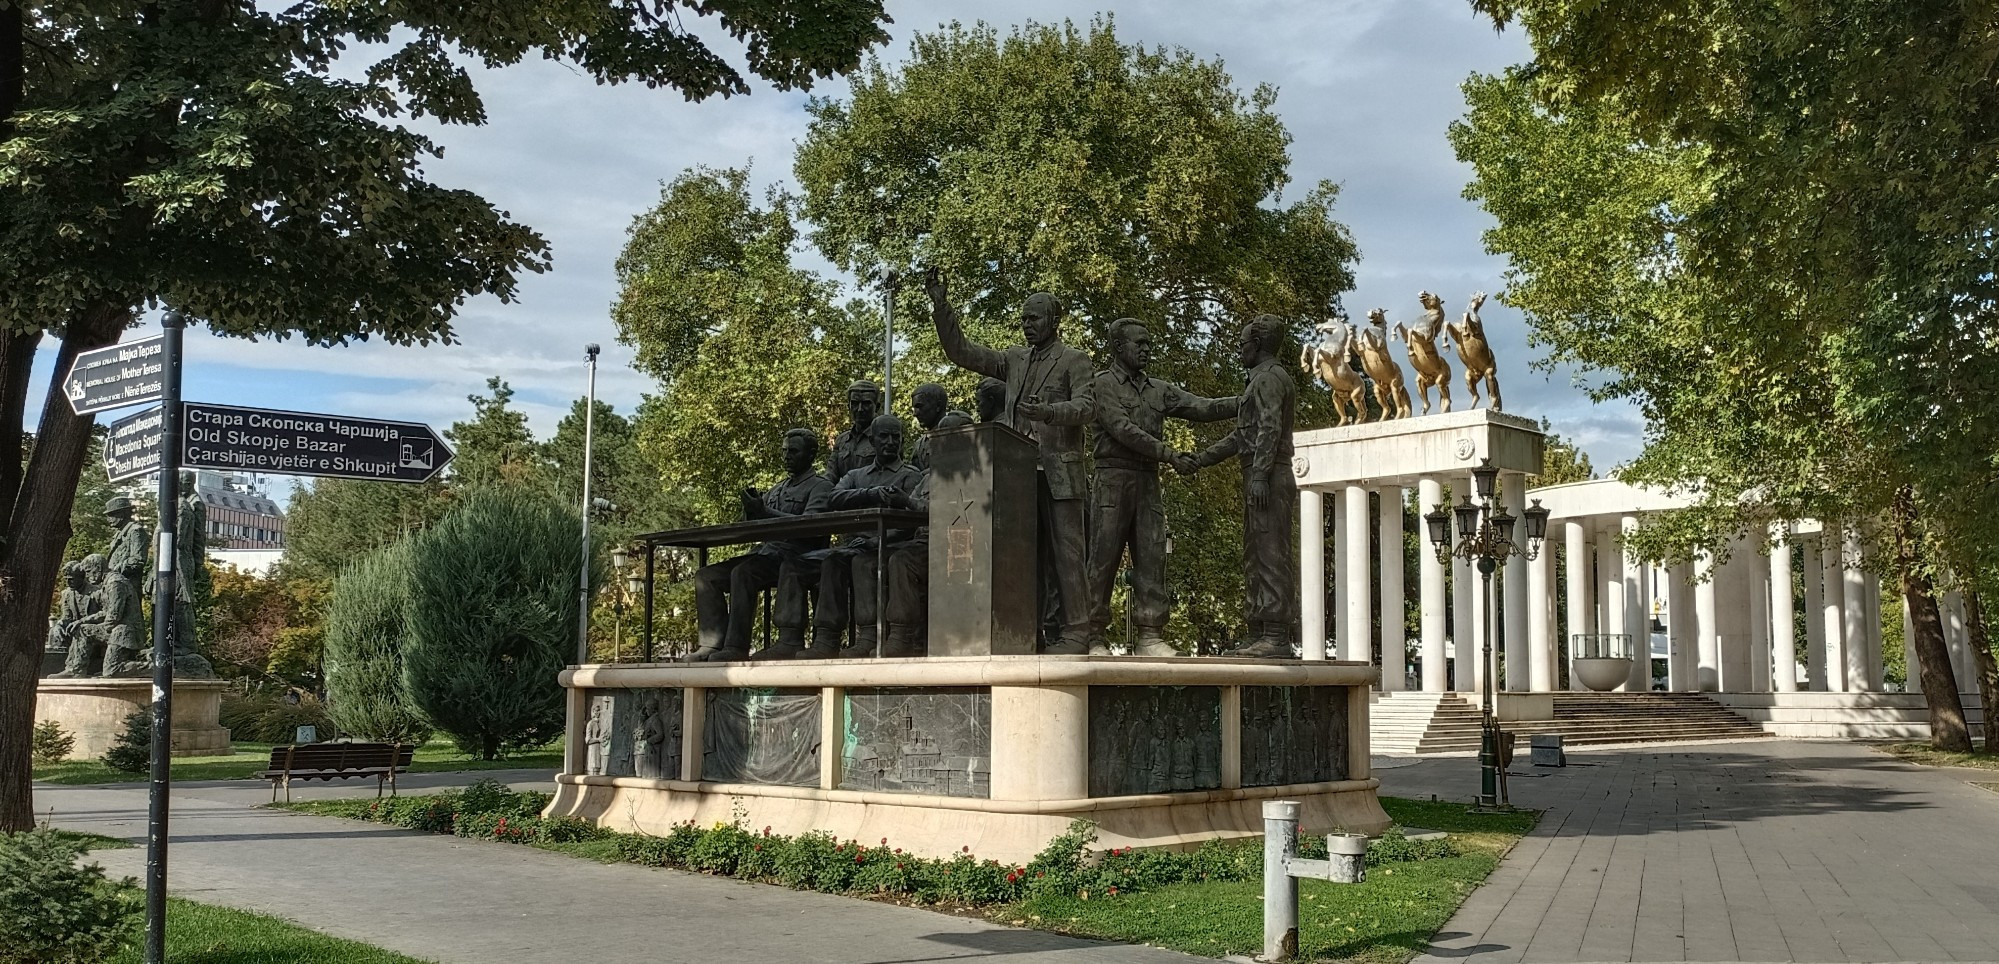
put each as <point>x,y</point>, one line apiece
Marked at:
<point>1280,889</point>
<point>1346,863</point>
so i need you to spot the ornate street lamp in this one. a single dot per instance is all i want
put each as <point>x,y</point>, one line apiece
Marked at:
<point>1485,539</point>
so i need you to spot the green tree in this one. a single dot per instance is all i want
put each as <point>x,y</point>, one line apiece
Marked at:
<point>336,521</point>
<point>1787,262</point>
<point>367,628</point>
<point>1562,460</point>
<point>743,343</point>
<point>494,446</point>
<point>492,618</point>
<point>223,159</point>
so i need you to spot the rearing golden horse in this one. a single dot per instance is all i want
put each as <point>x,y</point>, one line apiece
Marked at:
<point>1331,359</point>
<point>1476,353</point>
<point>1372,345</point>
<point>1431,368</point>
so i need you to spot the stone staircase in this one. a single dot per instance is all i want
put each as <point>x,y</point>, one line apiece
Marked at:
<point>1448,722</point>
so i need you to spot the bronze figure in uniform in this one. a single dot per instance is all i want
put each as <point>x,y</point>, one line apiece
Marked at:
<point>929,403</point>
<point>1262,440</point>
<point>725,593</point>
<point>851,448</point>
<point>846,574</point>
<point>1043,370</point>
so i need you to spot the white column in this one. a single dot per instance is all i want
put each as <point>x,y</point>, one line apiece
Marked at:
<point>1312,572</point>
<point>1682,630</point>
<point>1832,609</point>
<point>1610,582</point>
<point>1394,633</point>
<point>1334,507</point>
<point>1464,628</point>
<point>1854,615</point>
<point>1541,621</point>
<point>1957,641</point>
<point>1636,609</point>
<point>1708,674</point>
<point>1431,604</point>
<point>1809,572</point>
<point>1876,673</point>
<point>1513,493</point>
<point>1732,586</point>
<point>1783,617</point>
<point>1757,573</point>
<point>1580,618</point>
<point>1360,603</point>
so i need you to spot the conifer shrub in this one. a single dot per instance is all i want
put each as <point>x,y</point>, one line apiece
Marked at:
<point>367,630</point>
<point>54,910</point>
<point>133,750</point>
<point>51,743</point>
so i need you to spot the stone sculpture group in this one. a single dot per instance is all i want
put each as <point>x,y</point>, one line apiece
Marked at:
<point>1055,396</point>
<point>100,626</point>
<point>1342,344</point>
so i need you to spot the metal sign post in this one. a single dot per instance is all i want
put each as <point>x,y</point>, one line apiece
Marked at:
<point>163,649</point>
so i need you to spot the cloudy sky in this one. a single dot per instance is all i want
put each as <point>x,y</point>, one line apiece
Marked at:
<point>1367,88</point>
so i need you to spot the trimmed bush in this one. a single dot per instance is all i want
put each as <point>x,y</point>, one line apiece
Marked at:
<point>53,911</point>
<point>133,750</point>
<point>492,618</point>
<point>367,628</point>
<point>51,743</point>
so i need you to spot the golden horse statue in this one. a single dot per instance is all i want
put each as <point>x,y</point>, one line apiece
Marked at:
<point>1476,353</point>
<point>1329,358</point>
<point>1371,343</point>
<point>1432,370</point>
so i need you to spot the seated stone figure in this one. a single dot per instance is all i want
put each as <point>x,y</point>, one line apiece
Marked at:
<point>725,593</point>
<point>80,606</point>
<point>909,571</point>
<point>847,570</point>
<point>118,628</point>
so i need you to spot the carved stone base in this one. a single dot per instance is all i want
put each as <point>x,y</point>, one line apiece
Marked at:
<point>94,711</point>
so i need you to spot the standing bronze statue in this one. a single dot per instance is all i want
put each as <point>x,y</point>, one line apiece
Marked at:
<point>1262,439</point>
<point>1331,358</point>
<point>1129,409</point>
<point>847,572</point>
<point>725,593</point>
<point>192,586</point>
<point>1043,370</point>
<point>1476,353</point>
<point>130,539</point>
<point>851,448</point>
<point>1371,343</point>
<point>929,402</point>
<point>1431,367</point>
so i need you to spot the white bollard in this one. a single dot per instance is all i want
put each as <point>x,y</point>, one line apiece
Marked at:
<point>1280,889</point>
<point>1346,855</point>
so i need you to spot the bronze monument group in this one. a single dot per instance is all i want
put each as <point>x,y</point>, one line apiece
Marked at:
<point>100,625</point>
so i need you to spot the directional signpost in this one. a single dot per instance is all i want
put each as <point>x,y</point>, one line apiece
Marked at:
<point>118,375</point>
<point>303,443</point>
<point>172,436</point>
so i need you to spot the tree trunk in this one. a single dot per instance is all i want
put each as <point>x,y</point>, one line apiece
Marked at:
<point>37,531</point>
<point>1947,727</point>
<point>1988,668</point>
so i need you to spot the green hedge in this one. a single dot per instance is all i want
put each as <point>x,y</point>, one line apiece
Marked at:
<point>818,861</point>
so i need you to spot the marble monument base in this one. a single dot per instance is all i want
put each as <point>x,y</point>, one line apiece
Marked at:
<point>995,753</point>
<point>94,711</point>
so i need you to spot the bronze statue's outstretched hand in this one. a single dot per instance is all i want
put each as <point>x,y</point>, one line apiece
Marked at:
<point>1259,494</point>
<point>933,283</point>
<point>1185,464</point>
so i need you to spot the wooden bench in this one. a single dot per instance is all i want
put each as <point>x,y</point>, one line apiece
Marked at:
<point>337,761</point>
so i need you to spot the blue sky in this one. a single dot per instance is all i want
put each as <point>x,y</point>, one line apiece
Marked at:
<point>1366,88</point>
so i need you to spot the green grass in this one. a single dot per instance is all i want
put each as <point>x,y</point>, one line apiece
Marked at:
<point>1928,755</point>
<point>92,841</point>
<point>1382,921</point>
<point>205,934</point>
<point>437,756</point>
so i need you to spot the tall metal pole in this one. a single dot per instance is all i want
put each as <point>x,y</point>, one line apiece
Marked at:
<point>163,650</point>
<point>888,341</point>
<point>583,568</point>
<point>1488,743</point>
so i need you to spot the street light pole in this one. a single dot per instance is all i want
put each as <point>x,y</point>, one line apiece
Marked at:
<point>1485,537</point>
<point>583,568</point>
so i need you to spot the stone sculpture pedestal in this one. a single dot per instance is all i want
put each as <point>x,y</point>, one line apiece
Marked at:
<point>983,539</point>
<point>995,753</point>
<point>94,711</point>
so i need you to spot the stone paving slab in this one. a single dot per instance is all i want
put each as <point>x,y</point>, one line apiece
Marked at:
<point>1756,851</point>
<point>451,900</point>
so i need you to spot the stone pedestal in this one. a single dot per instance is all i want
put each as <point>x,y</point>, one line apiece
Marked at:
<point>983,540</point>
<point>94,710</point>
<point>997,753</point>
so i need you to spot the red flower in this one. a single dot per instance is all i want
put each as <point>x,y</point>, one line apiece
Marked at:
<point>884,841</point>
<point>1113,891</point>
<point>857,858</point>
<point>898,866</point>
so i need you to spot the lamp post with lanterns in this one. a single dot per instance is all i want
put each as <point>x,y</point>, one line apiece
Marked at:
<point>1485,539</point>
<point>633,584</point>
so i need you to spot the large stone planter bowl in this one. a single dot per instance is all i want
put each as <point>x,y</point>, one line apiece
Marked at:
<point>1602,673</point>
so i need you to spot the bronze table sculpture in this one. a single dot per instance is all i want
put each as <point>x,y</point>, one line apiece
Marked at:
<point>1262,438</point>
<point>1129,409</point>
<point>1044,370</point>
<point>725,593</point>
<point>849,568</point>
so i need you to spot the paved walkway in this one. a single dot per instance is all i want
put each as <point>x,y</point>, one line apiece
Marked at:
<point>1755,851</point>
<point>451,900</point>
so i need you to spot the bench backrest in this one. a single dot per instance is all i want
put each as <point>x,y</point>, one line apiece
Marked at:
<point>341,756</point>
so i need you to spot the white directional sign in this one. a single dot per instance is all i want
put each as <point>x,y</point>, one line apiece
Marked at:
<point>134,445</point>
<point>115,376</point>
<point>304,443</point>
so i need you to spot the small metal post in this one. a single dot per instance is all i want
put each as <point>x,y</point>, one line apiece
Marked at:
<point>161,775</point>
<point>1280,889</point>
